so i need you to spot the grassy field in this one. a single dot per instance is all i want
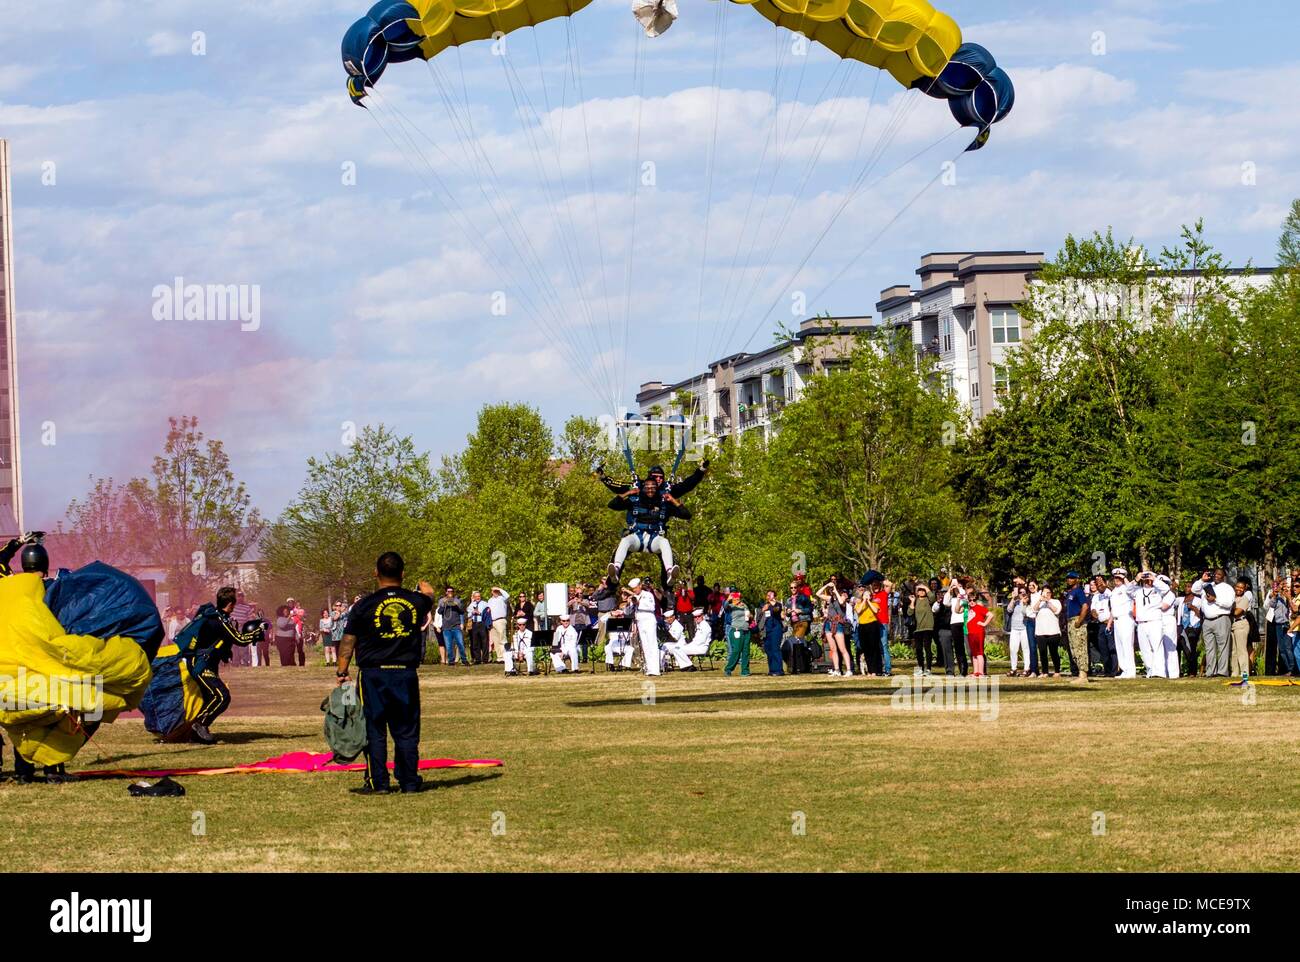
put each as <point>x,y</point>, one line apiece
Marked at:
<point>711,775</point>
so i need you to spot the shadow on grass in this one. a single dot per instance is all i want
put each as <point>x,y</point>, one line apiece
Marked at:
<point>431,785</point>
<point>821,691</point>
<point>245,738</point>
<point>173,749</point>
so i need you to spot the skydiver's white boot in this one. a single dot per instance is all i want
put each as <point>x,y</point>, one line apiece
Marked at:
<point>615,572</point>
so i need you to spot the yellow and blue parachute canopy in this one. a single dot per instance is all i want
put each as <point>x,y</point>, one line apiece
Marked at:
<point>920,46</point>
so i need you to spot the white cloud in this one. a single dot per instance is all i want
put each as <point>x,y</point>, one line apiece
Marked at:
<point>166,43</point>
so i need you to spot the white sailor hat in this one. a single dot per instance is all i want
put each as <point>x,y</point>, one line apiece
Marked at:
<point>564,617</point>
<point>1163,580</point>
<point>1120,572</point>
<point>634,583</point>
<point>698,612</point>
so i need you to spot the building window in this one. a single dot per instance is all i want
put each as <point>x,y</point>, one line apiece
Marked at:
<point>974,390</point>
<point>1001,380</point>
<point>947,335</point>
<point>949,384</point>
<point>1006,326</point>
<point>971,339</point>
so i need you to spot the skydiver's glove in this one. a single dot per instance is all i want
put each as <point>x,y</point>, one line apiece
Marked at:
<point>33,537</point>
<point>8,551</point>
<point>704,465</point>
<point>600,470</point>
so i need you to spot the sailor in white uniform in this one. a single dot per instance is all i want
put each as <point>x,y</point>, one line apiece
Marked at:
<point>521,645</point>
<point>1149,613</point>
<point>698,645</point>
<point>1169,625</point>
<point>1121,614</point>
<point>647,623</point>
<point>565,645</point>
<point>676,634</point>
<point>618,643</point>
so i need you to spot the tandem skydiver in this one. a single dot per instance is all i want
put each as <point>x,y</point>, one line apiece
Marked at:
<point>649,506</point>
<point>208,647</point>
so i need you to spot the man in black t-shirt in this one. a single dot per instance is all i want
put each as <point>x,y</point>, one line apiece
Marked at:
<point>385,633</point>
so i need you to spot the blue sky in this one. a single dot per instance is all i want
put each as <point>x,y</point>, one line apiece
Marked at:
<point>377,297</point>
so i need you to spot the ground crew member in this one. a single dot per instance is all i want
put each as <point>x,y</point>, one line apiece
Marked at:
<point>212,644</point>
<point>385,633</point>
<point>33,559</point>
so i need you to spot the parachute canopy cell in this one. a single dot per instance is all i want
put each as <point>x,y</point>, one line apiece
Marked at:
<point>102,601</point>
<point>55,682</point>
<point>920,46</point>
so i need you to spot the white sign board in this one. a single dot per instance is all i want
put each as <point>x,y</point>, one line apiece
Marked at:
<point>557,599</point>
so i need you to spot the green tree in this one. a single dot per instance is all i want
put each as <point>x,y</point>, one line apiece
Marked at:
<point>195,519</point>
<point>353,506</point>
<point>862,465</point>
<point>1288,245</point>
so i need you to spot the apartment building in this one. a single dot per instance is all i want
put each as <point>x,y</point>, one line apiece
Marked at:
<point>744,392</point>
<point>965,313</point>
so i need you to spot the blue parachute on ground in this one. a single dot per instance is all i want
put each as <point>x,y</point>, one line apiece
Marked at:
<point>174,700</point>
<point>101,601</point>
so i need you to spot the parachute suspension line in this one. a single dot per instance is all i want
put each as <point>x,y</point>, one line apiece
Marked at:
<point>897,217</point>
<point>469,231</point>
<point>557,139</point>
<point>568,240</point>
<point>803,69</point>
<point>732,321</point>
<point>844,205</point>
<point>781,147</point>
<point>491,256</point>
<point>591,181</point>
<point>902,109</point>
<point>719,53</point>
<point>753,190</point>
<point>638,80</point>
<point>430,176</point>
<point>475,154</point>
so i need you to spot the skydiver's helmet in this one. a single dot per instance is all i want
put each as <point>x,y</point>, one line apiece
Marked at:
<point>657,472</point>
<point>35,559</point>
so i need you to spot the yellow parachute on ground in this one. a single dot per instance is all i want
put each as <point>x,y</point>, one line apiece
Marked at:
<point>52,684</point>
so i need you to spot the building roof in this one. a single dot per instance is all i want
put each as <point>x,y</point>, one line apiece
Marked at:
<point>810,327</point>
